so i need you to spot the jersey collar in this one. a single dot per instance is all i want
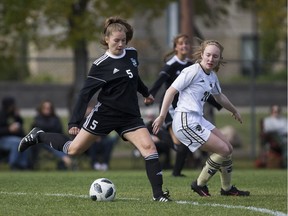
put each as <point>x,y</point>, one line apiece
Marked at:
<point>180,61</point>
<point>115,56</point>
<point>204,70</point>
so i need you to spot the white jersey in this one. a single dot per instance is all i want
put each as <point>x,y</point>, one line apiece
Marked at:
<point>194,87</point>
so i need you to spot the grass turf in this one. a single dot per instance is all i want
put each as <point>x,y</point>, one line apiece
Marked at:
<point>50,192</point>
<point>66,193</point>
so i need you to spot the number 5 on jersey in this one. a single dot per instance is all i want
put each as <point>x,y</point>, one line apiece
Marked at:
<point>130,74</point>
<point>93,125</point>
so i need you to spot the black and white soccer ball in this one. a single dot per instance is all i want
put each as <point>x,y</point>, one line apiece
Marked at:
<point>102,189</point>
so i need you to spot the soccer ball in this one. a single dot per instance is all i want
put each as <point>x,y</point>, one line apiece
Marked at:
<point>102,189</point>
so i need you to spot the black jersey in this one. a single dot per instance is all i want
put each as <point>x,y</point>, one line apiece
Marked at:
<point>118,79</point>
<point>168,74</point>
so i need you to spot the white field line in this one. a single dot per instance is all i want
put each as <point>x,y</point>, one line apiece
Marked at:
<point>250,208</point>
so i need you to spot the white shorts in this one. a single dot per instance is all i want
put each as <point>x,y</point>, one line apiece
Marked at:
<point>192,129</point>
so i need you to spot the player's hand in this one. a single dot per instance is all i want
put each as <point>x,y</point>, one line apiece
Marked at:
<point>237,116</point>
<point>157,124</point>
<point>74,131</point>
<point>149,100</point>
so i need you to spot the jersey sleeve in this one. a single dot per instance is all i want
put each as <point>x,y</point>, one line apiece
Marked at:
<point>163,76</point>
<point>184,79</point>
<point>142,88</point>
<point>91,86</point>
<point>217,88</point>
<point>211,100</point>
<point>158,83</point>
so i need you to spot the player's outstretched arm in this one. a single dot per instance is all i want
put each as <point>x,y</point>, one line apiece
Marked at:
<point>225,102</point>
<point>168,98</point>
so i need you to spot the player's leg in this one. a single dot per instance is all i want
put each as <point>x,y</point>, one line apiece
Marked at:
<point>226,166</point>
<point>63,143</point>
<point>81,142</point>
<point>220,152</point>
<point>226,171</point>
<point>143,142</point>
<point>58,141</point>
<point>175,141</point>
<point>195,132</point>
<point>176,144</point>
<point>220,159</point>
<point>181,154</point>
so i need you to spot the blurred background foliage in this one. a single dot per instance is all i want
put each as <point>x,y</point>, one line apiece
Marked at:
<point>74,24</point>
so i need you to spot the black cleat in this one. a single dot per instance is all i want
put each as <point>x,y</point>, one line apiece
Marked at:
<point>234,192</point>
<point>201,190</point>
<point>30,139</point>
<point>163,198</point>
<point>178,175</point>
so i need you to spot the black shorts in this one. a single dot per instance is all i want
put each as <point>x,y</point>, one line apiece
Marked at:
<point>168,121</point>
<point>101,123</point>
<point>169,118</point>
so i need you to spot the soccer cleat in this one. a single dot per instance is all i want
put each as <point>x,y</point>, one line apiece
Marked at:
<point>201,190</point>
<point>30,139</point>
<point>234,192</point>
<point>163,198</point>
<point>178,175</point>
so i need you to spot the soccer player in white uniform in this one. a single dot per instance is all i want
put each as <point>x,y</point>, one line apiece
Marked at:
<point>173,66</point>
<point>116,74</point>
<point>194,85</point>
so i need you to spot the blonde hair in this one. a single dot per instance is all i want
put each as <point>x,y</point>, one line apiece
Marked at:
<point>113,24</point>
<point>200,50</point>
<point>175,42</point>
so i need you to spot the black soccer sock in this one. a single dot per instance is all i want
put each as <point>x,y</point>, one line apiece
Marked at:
<point>154,173</point>
<point>180,160</point>
<point>57,141</point>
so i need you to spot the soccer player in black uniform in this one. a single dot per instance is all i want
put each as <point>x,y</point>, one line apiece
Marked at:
<point>116,74</point>
<point>175,62</point>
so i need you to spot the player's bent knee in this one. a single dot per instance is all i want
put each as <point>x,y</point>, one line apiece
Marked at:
<point>147,150</point>
<point>72,151</point>
<point>227,151</point>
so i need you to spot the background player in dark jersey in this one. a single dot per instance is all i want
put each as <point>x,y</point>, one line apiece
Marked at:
<point>175,61</point>
<point>116,74</point>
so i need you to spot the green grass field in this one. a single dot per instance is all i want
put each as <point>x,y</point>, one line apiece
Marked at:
<point>66,193</point>
<point>50,192</point>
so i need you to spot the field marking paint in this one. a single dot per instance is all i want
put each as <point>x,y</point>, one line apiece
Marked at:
<point>250,208</point>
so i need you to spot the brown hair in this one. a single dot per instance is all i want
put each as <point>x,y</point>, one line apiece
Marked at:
<point>175,41</point>
<point>116,24</point>
<point>200,50</point>
<point>41,105</point>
